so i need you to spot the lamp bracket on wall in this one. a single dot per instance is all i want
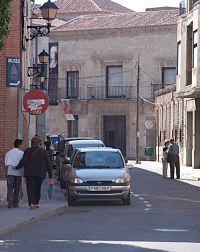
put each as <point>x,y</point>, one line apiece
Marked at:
<point>38,30</point>
<point>34,71</point>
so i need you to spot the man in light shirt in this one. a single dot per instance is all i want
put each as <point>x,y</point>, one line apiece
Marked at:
<point>14,177</point>
<point>174,159</point>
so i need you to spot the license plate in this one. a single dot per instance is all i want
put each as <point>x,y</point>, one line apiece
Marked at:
<point>98,188</point>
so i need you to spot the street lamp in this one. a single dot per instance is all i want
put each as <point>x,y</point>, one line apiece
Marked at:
<point>43,57</point>
<point>48,12</point>
<point>37,70</point>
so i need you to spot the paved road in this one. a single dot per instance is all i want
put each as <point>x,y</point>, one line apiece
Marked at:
<point>164,216</point>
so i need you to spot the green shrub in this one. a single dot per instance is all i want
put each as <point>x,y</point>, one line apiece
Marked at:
<point>5,15</point>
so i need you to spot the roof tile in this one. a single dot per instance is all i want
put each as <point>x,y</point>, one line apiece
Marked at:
<point>93,6</point>
<point>110,21</point>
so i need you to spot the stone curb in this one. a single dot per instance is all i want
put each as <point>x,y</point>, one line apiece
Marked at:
<point>33,219</point>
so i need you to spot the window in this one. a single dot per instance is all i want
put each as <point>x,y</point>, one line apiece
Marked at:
<point>168,75</point>
<point>191,4</point>
<point>72,84</point>
<point>114,78</point>
<point>189,56</point>
<point>179,58</point>
<point>195,37</point>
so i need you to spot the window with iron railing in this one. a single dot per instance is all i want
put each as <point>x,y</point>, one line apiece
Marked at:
<point>114,81</point>
<point>100,92</point>
<point>72,84</point>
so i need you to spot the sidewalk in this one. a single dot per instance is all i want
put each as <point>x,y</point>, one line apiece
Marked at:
<point>187,173</point>
<point>13,218</point>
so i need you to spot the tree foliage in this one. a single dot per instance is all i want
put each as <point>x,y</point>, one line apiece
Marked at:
<point>5,15</point>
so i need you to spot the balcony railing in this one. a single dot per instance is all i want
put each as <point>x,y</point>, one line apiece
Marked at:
<point>97,92</point>
<point>102,92</point>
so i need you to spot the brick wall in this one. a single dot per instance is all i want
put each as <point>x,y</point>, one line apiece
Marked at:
<point>8,95</point>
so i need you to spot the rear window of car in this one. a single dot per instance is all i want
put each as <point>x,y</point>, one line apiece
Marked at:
<point>71,147</point>
<point>90,144</point>
<point>98,160</point>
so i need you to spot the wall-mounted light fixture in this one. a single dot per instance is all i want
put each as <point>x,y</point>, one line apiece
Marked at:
<point>48,12</point>
<point>37,70</point>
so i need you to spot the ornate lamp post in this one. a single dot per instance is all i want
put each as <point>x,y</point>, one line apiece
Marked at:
<point>48,12</point>
<point>37,70</point>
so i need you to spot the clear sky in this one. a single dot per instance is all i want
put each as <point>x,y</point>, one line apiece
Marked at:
<point>139,5</point>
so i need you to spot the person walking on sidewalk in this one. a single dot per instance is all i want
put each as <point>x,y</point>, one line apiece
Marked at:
<point>36,164</point>
<point>164,159</point>
<point>174,159</point>
<point>14,177</point>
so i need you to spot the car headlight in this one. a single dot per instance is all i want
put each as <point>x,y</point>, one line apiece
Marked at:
<point>121,180</point>
<point>77,181</point>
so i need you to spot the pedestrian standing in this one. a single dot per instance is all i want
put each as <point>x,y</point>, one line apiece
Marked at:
<point>49,147</point>
<point>164,159</point>
<point>14,177</point>
<point>174,159</point>
<point>47,143</point>
<point>36,164</point>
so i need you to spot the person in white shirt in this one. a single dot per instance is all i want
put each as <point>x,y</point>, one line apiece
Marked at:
<point>14,177</point>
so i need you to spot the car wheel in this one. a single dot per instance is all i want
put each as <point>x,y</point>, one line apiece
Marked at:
<point>127,200</point>
<point>71,201</point>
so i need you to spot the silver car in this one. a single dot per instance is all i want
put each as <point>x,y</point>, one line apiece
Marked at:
<point>97,174</point>
<point>70,147</point>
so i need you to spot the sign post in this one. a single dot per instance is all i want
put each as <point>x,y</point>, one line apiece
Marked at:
<point>35,102</point>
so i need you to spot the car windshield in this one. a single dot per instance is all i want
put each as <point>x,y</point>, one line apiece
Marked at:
<point>98,160</point>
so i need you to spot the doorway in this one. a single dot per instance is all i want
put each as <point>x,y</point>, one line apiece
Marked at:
<point>189,143</point>
<point>114,132</point>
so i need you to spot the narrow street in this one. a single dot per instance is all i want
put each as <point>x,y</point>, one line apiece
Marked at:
<point>163,216</point>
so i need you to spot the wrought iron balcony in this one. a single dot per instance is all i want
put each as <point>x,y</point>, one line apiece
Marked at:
<point>102,92</point>
<point>97,92</point>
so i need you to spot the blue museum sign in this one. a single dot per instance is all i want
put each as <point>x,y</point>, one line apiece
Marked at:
<point>13,69</point>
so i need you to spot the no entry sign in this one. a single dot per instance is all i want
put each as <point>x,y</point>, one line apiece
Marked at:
<point>35,102</point>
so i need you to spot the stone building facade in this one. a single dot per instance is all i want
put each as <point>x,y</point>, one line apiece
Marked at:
<point>184,99</point>
<point>170,117</point>
<point>97,77</point>
<point>188,80</point>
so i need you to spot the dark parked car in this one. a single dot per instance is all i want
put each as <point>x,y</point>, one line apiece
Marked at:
<point>70,147</point>
<point>97,174</point>
<point>64,142</point>
<point>59,154</point>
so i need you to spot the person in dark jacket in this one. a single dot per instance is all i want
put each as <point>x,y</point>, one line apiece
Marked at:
<point>36,164</point>
<point>174,159</point>
<point>49,147</point>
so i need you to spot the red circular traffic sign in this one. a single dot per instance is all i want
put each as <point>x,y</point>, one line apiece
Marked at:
<point>35,102</point>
